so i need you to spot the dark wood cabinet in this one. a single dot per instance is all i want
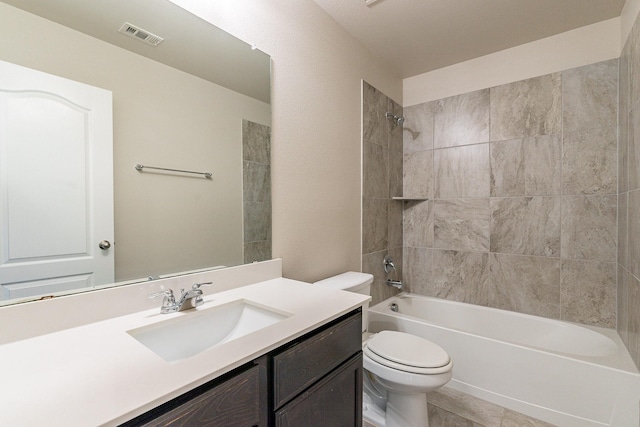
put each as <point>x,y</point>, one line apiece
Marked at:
<point>236,399</point>
<point>334,401</point>
<point>315,380</point>
<point>302,363</point>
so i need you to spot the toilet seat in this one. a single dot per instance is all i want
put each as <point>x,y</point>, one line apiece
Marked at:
<point>407,353</point>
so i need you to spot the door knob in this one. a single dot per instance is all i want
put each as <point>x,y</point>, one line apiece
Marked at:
<point>104,245</point>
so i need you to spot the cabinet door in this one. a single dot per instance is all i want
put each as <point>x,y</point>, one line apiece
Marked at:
<point>334,401</point>
<point>234,403</point>
<point>301,365</point>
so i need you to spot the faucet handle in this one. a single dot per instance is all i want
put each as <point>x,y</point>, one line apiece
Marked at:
<point>168,293</point>
<point>197,286</point>
<point>169,301</point>
<point>196,289</point>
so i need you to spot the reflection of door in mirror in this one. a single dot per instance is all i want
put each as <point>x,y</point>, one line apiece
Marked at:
<point>56,184</point>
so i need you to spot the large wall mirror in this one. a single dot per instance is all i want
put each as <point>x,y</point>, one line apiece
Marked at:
<point>197,102</point>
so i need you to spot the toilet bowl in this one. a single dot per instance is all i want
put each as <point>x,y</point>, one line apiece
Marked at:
<point>400,368</point>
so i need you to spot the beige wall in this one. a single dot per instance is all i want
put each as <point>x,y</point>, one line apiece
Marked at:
<point>582,46</point>
<point>186,123</point>
<point>316,100</point>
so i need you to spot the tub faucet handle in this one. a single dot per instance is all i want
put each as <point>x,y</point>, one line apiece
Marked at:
<point>388,264</point>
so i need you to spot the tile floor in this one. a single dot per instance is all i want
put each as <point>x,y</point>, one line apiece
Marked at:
<point>451,408</point>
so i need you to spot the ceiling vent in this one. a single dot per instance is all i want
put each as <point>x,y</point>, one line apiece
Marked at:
<point>140,34</point>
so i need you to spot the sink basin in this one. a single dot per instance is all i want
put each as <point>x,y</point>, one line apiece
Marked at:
<point>199,330</point>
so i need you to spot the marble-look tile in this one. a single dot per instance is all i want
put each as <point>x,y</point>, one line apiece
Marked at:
<point>257,221</point>
<point>395,224</point>
<point>589,161</point>
<point>525,284</point>
<point>256,142</point>
<point>418,224</point>
<point>516,419</point>
<point>462,171</point>
<point>526,108</point>
<point>622,300</point>
<point>634,65</point>
<point>590,96</point>
<point>462,120</point>
<point>634,319</point>
<point>375,224</point>
<point>624,77</point>
<point>466,406</point>
<point>418,174</point>
<point>394,131</point>
<point>623,152</point>
<point>633,230</point>
<point>588,229</point>
<point>526,167</point>
<point>459,276</point>
<point>633,148</point>
<point>588,292</point>
<point>439,417</point>
<point>417,264</point>
<point>396,160</point>
<point>623,233</point>
<point>418,127</point>
<point>542,165</point>
<point>623,120</point>
<point>257,251</point>
<point>526,225</point>
<point>256,182</point>
<point>374,124</point>
<point>461,224</point>
<point>375,171</point>
<point>507,168</point>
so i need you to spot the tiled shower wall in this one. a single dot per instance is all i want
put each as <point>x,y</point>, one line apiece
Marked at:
<point>629,196</point>
<point>521,181</point>
<point>382,169</point>
<point>256,191</point>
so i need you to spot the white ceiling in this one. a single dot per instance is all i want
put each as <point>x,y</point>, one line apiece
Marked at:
<point>417,36</point>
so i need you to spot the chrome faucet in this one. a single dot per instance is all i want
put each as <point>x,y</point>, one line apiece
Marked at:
<point>189,299</point>
<point>388,267</point>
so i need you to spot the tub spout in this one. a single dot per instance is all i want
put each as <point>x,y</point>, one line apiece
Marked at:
<point>395,283</point>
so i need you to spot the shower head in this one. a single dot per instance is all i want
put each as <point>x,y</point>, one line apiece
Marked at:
<point>397,120</point>
<point>414,134</point>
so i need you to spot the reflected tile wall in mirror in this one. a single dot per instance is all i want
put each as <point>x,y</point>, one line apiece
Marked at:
<point>256,191</point>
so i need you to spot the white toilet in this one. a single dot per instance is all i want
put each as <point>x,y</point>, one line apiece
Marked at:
<point>399,368</point>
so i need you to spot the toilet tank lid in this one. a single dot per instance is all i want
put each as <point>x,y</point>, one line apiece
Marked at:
<point>351,280</point>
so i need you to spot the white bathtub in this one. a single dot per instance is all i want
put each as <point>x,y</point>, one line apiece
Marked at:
<point>559,372</point>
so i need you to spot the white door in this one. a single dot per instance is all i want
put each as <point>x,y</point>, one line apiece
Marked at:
<point>56,184</point>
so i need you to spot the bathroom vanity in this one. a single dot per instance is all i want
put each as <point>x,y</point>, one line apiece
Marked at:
<point>306,365</point>
<point>315,380</point>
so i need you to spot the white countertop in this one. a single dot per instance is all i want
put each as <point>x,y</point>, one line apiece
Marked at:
<point>97,374</point>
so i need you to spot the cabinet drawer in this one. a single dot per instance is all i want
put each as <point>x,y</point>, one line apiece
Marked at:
<point>334,401</point>
<point>299,366</point>
<point>235,402</point>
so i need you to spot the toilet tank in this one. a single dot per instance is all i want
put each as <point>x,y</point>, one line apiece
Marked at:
<point>352,281</point>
